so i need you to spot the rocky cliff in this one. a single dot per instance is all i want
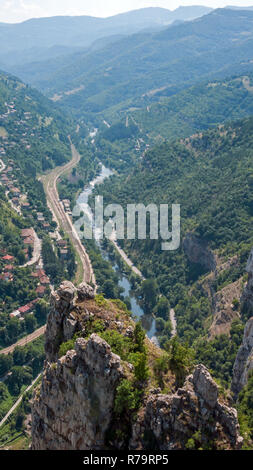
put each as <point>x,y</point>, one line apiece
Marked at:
<point>244,360</point>
<point>75,406</point>
<point>247,297</point>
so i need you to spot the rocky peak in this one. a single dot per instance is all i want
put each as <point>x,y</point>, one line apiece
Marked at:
<point>74,408</point>
<point>194,410</point>
<point>75,405</point>
<point>62,321</point>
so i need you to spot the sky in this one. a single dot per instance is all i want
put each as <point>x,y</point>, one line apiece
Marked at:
<point>13,11</point>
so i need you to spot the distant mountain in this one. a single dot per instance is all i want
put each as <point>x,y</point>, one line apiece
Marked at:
<point>82,31</point>
<point>195,109</point>
<point>231,7</point>
<point>147,65</point>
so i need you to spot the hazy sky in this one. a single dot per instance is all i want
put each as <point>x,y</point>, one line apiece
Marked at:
<point>19,10</point>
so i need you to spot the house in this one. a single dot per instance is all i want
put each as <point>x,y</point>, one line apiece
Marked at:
<point>7,277</point>
<point>15,314</point>
<point>35,275</point>
<point>26,309</point>
<point>40,272</point>
<point>15,201</point>
<point>45,281</point>
<point>62,243</point>
<point>27,232</point>
<point>40,291</point>
<point>8,267</point>
<point>46,226</point>
<point>8,258</point>
<point>29,241</point>
<point>25,206</point>
<point>16,192</point>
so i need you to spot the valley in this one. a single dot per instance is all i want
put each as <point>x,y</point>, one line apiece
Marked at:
<point>157,110</point>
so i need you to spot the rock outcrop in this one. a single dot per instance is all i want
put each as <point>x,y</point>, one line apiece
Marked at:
<point>74,407</point>
<point>197,252</point>
<point>194,411</point>
<point>244,360</point>
<point>247,297</point>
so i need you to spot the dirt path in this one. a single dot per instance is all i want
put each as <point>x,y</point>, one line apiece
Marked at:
<point>85,271</point>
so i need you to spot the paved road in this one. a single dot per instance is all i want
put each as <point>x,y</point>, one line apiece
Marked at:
<point>50,184</point>
<point>36,251</point>
<point>24,341</point>
<point>127,260</point>
<point>13,408</point>
<point>173,322</point>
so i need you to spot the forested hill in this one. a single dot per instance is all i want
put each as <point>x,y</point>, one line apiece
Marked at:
<point>211,176</point>
<point>146,65</point>
<point>198,108</point>
<point>33,132</point>
<point>195,109</point>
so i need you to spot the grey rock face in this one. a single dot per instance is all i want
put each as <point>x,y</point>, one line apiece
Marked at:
<point>74,408</point>
<point>173,419</point>
<point>244,360</point>
<point>205,386</point>
<point>197,251</point>
<point>247,297</point>
<point>58,323</point>
<point>85,291</point>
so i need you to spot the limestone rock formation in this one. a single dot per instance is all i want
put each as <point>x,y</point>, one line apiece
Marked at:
<point>244,360</point>
<point>85,291</point>
<point>75,405</point>
<point>60,325</point>
<point>74,408</point>
<point>197,251</point>
<point>171,420</point>
<point>247,297</point>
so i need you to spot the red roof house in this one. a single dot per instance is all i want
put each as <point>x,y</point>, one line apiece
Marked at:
<point>8,258</point>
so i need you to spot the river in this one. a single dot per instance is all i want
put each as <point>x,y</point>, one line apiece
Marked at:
<point>147,321</point>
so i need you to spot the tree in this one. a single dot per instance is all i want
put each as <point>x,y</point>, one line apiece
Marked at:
<point>149,292</point>
<point>163,308</point>
<point>139,338</point>
<point>6,363</point>
<point>30,323</point>
<point>181,360</point>
<point>127,398</point>
<point>41,310</point>
<point>141,370</point>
